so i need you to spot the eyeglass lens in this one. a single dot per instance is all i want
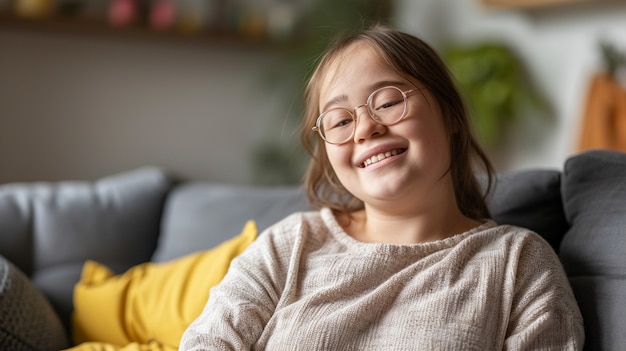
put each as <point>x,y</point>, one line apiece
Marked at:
<point>385,106</point>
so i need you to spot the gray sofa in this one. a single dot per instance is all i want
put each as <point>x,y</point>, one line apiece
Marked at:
<point>48,230</point>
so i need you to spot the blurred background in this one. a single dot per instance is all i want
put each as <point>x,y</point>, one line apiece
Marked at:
<point>211,89</point>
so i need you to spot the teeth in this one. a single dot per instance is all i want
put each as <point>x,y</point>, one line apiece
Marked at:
<point>380,157</point>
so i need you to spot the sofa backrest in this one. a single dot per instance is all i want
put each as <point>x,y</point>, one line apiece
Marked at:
<point>530,199</point>
<point>200,215</point>
<point>49,229</point>
<point>593,251</point>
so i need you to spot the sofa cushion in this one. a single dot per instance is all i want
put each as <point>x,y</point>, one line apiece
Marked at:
<point>199,215</point>
<point>593,250</point>
<point>52,228</point>
<point>151,301</point>
<point>27,321</point>
<point>530,199</point>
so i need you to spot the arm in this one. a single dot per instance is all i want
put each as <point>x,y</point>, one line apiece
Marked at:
<point>544,313</point>
<point>241,305</point>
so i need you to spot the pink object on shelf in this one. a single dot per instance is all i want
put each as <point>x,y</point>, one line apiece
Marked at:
<point>123,12</point>
<point>162,15</point>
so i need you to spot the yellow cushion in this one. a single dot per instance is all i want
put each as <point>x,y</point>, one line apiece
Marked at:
<point>152,301</point>
<point>101,346</point>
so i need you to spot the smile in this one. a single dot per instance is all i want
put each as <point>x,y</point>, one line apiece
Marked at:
<point>381,156</point>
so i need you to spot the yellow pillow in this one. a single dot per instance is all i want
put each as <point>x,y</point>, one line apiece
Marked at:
<point>101,346</point>
<point>151,301</point>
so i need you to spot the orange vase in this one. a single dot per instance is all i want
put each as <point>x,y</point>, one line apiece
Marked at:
<point>604,121</point>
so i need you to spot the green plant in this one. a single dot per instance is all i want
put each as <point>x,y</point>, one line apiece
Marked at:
<point>613,58</point>
<point>496,87</point>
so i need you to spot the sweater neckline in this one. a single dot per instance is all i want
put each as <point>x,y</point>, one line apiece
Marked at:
<point>340,235</point>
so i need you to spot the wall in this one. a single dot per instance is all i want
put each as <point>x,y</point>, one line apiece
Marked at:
<point>560,47</point>
<point>84,107</point>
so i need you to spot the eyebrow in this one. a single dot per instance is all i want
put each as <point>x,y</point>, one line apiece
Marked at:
<point>380,84</point>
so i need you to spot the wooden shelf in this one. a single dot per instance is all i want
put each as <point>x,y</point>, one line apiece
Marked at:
<point>529,3</point>
<point>99,27</point>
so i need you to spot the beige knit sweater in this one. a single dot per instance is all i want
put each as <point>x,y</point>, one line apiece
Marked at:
<point>306,285</point>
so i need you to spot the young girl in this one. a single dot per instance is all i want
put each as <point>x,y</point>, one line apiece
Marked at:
<point>402,254</point>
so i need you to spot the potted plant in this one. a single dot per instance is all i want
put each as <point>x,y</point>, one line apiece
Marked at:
<point>496,87</point>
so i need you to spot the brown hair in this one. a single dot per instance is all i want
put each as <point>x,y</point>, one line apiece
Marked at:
<point>416,60</point>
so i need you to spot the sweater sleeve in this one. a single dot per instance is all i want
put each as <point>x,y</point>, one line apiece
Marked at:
<point>544,313</point>
<point>241,305</point>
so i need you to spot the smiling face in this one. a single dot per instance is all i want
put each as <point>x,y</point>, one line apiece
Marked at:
<point>402,165</point>
<point>442,158</point>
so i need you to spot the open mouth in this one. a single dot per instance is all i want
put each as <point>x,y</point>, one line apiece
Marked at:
<point>381,156</point>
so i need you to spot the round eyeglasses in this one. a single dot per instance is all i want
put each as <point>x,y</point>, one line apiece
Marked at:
<point>386,106</point>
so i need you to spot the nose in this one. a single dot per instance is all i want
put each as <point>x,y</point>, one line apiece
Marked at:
<point>365,127</point>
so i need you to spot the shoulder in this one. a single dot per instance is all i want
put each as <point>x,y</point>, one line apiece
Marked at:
<point>526,241</point>
<point>520,248</point>
<point>295,224</point>
<point>530,262</point>
<point>530,258</point>
<point>276,246</point>
<point>513,236</point>
<point>295,229</point>
<point>288,240</point>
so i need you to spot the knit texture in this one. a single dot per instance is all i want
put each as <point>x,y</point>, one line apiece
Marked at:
<point>27,320</point>
<point>306,285</point>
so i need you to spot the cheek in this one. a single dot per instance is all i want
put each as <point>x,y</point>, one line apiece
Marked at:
<point>333,158</point>
<point>431,122</point>
<point>430,134</point>
<point>338,157</point>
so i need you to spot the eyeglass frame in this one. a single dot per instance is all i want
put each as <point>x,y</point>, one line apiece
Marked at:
<point>405,94</point>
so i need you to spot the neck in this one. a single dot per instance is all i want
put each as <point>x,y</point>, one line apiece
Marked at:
<point>425,212</point>
<point>369,225</point>
<point>409,221</point>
